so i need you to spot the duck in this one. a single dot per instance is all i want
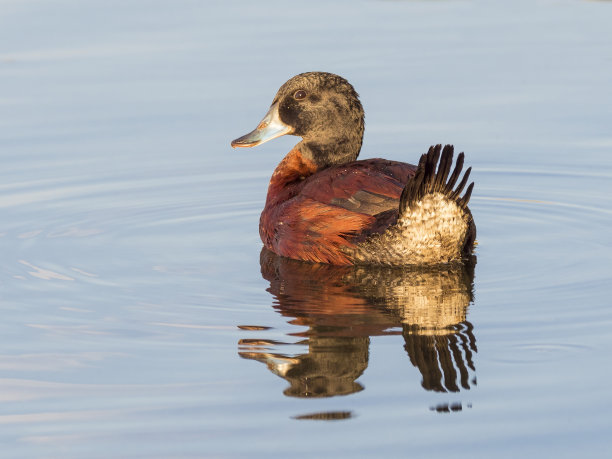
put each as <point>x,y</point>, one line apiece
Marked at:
<point>325,206</point>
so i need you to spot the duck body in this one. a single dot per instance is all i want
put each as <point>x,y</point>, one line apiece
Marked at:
<point>325,206</point>
<point>317,215</point>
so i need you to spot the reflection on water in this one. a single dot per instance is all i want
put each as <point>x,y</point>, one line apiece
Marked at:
<point>342,307</point>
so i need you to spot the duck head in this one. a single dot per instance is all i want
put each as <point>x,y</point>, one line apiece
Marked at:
<point>321,108</point>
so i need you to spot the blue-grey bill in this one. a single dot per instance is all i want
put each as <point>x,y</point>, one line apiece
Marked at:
<point>269,128</point>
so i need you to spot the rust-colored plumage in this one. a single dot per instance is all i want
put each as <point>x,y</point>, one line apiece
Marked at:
<point>324,206</point>
<point>314,217</point>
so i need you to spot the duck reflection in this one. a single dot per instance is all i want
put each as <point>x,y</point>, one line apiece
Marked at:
<point>342,307</point>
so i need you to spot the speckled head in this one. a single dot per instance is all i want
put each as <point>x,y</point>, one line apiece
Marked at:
<point>320,107</point>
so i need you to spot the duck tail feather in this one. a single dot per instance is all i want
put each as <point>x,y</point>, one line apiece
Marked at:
<point>446,163</point>
<point>455,174</point>
<point>431,177</point>
<point>455,194</point>
<point>463,202</point>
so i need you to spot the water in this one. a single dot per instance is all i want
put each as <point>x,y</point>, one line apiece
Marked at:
<point>138,318</point>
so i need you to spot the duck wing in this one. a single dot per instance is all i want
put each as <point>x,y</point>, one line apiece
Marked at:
<point>368,187</point>
<point>334,208</point>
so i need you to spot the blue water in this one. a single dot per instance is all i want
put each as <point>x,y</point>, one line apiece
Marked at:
<point>140,318</point>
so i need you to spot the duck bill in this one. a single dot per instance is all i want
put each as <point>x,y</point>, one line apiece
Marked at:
<point>269,128</point>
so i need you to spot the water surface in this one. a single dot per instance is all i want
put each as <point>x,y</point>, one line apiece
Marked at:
<point>142,319</point>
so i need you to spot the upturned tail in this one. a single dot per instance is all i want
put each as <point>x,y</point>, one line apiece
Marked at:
<point>432,208</point>
<point>434,224</point>
<point>427,180</point>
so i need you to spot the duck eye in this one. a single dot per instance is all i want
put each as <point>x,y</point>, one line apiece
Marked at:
<point>300,94</point>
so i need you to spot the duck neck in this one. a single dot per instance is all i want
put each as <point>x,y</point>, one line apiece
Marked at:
<point>310,156</point>
<point>289,173</point>
<point>324,151</point>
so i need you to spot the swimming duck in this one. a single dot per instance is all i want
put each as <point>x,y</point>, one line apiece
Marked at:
<point>324,206</point>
